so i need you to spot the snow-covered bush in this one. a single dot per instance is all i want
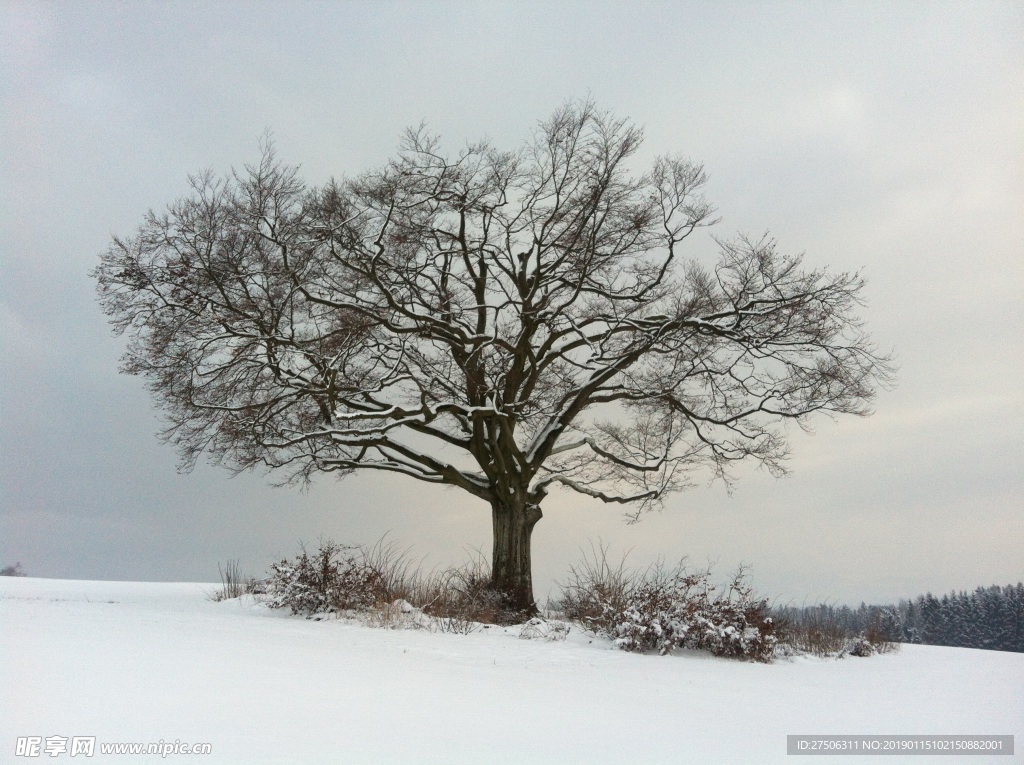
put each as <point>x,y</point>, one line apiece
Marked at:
<point>859,646</point>
<point>335,578</point>
<point>665,608</point>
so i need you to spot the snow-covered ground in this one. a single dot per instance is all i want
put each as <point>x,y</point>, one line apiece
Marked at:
<point>143,662</point>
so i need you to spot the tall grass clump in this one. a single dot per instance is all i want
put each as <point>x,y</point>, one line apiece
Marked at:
<point>460,598</point>
<point>232,583</point>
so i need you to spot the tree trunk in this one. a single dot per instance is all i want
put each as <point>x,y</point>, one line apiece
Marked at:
<point>511,572</point>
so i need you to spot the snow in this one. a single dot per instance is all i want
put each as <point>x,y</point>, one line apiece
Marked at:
<point>144,662</point>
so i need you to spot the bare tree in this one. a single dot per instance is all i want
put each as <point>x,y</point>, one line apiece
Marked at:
<point>497,321</point>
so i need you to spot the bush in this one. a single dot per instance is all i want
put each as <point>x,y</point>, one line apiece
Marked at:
<point>662,609</point>
<point>335,578</point>
<point>858,646</point>
<point>14,570</point>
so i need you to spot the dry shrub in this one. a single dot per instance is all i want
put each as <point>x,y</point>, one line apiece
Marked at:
<point>373,580</point>
<point>880,638</point>
<point>818,631</point>
<point>596,591</point>
<point>461,597</point>
<point>820,636</point>
<point>664,608</point>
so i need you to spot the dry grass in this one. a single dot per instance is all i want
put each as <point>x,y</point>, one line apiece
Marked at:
<point>819,637</point>
<point>818,632</point>
<point>595,590</point>
<point>233,583</point>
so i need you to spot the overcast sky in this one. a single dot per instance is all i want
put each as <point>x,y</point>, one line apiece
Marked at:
<point>887,137</point>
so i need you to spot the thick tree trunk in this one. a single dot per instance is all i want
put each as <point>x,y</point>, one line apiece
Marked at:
<point>511,565</point>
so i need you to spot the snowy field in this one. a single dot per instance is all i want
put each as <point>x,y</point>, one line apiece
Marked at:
<point>142,662</point>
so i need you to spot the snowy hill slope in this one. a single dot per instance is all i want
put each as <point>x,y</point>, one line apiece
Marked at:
<point>144,662</point>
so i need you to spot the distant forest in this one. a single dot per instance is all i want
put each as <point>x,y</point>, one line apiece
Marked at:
<point>990,618</point>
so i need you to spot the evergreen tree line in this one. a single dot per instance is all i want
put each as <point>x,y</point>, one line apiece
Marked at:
<point>990,618</point>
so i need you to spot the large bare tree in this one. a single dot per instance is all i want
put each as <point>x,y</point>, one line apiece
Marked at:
<point>502,322</point>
